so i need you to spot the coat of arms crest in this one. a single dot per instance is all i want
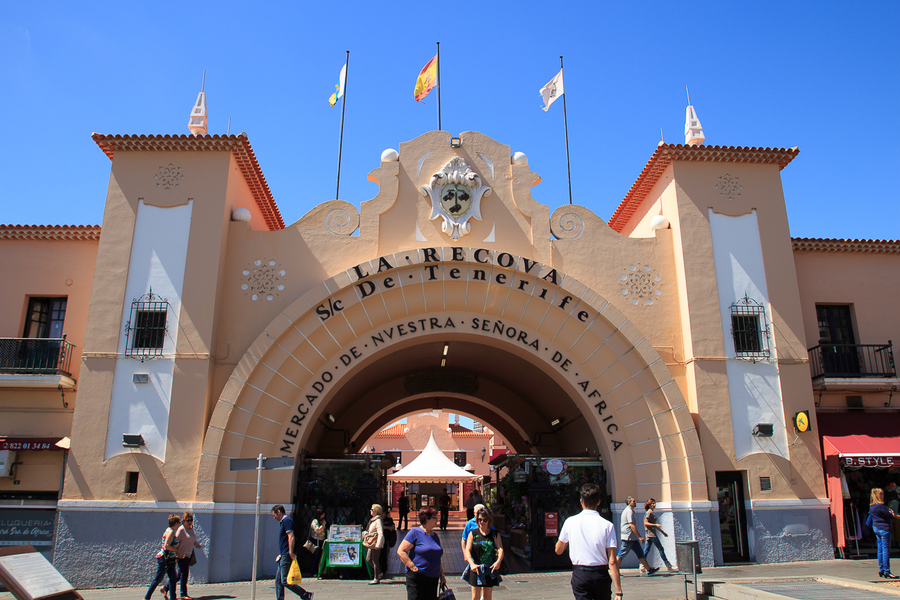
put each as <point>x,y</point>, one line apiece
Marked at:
<point>455,191</point>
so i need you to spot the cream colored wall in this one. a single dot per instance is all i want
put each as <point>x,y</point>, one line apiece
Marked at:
<point>867,282</point>
<point>799,477</point>
<point>42,268</point>
<point>208,181</point>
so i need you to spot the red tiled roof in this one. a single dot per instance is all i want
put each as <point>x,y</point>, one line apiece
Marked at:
<point>666,153</point>
<point>238,145</point>
<point>457,428</point>
<point>50,232</point>
<point>836,245</point>
<point>393,431</point>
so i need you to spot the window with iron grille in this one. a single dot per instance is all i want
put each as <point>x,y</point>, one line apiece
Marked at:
<point>750,329</point>
<point>146,329</point>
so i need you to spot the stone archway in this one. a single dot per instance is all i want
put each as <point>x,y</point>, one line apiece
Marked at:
<point>597,361</point>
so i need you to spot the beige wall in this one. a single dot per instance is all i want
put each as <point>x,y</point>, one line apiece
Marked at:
<point>49,266</point>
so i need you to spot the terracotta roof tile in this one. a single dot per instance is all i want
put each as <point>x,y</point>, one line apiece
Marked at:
<point>836,245</point>
<point>666,153</point>
<point>457,428</point>
<point>50,232</point>
<point>238,145</point>
<point>393,431</point>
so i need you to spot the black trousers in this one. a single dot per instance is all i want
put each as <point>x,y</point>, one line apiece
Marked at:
<point>445,516</point>
<point>591,583</point>
<point>420,586</point>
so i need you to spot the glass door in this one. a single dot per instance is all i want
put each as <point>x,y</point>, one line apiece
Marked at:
<point>732,516</point>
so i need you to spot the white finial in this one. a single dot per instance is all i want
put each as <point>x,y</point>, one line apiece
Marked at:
<point>199,120</point>
<point>693,130</point>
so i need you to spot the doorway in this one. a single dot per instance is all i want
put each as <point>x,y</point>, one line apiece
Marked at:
<point>732,516</point>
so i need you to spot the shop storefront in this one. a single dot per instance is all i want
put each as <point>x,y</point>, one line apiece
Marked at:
<point>855,463</point>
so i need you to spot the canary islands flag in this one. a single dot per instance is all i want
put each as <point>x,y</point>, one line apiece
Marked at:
<point>342,79</point>
<point>427,79</point>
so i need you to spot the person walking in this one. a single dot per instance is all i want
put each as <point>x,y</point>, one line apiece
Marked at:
<point>374,541</point>
<point>166,558</point>
<point>403,511</point>
<point>470,506</point>
<point>651,529</point>
<point>187,541</point>
<point>484,553</point>
<point>471,525</point>
<point>591,541</point>
<point>881,517</point>
<point>421,552</point>
<point>444,506</point>
<point>286,555</point>
<point>631,539</point>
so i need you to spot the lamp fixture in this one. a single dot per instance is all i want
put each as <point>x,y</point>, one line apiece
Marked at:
<point>330,417</point>
<point>132,440</point>
<point>555,422</point>
<point>443,362</point>
<point>446,349</point>
<point>455,142</point>
<point>763,430</point>
<point>483,452</point>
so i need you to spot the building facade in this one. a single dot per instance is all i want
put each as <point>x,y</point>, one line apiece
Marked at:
<point>671,342</point>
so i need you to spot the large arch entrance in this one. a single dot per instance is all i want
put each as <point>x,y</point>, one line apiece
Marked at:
<point>526,345</point>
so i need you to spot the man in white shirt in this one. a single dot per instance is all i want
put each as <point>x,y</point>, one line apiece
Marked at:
<point>631,539</point>
<point>591,540</point>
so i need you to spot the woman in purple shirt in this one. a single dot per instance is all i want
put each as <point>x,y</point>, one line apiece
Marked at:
<point>881,523</point>
<point>421,552</point>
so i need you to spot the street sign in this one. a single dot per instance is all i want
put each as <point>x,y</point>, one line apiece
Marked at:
<point>268,464</point>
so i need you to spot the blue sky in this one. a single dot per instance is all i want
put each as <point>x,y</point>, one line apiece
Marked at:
<point>824,76</point>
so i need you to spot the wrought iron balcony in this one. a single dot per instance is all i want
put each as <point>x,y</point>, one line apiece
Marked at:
<point>35,356</point>
<point>852,360</point>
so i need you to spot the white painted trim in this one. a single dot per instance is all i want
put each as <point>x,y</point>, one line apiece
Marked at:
<point>166,507</point>
<point>699,506</point>
<point>790,503</point>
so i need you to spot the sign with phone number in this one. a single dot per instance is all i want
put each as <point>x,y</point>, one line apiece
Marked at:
<point>26,444</point>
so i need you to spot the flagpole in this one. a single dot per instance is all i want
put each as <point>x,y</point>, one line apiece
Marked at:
<point>337,193</point>
<point>566,123</point>
<point>439,83</point>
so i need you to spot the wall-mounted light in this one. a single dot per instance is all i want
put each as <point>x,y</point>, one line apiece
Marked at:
<point>455,142</point>
<point>763,430</point>
<point>443,362</point>
<point>555,422</point>
<point>446,349</point>
<point>483,452</point>
<point>132,440</point>
<point>330,417</point>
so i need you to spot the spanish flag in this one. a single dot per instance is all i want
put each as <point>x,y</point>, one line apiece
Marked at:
<point>427,79</point>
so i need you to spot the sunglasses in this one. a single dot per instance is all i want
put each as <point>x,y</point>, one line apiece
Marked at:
<point>482,520</point>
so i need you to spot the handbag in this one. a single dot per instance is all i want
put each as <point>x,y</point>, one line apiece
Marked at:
<point>369,540</point>
<point>193,559</point>
<point>310,546</point>
<point>446,594</point>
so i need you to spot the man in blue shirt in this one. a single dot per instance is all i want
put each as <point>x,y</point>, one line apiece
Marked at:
<point>286,556</point>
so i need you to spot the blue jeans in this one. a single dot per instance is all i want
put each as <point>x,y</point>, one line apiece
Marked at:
<point>629,545</point>
<point>162,569</point>
<point>284,565</point>
<point>884,549</point>
<point>654,541</point>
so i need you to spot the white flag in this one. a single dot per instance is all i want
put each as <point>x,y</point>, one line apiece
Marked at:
<point>342,80</point>
<point>553,90</point>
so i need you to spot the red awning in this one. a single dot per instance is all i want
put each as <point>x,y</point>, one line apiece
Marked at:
<point>29,444</point>
<point>864,445</point>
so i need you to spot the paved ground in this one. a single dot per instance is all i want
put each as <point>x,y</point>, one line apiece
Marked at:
<point>543,585</point>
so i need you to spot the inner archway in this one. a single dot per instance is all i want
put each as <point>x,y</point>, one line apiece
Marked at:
<point>335,364</point>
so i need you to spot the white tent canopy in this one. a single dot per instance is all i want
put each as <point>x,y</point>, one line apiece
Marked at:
<point>432,466</point>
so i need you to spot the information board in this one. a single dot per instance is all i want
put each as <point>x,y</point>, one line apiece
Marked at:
<point>32,577</point>
<point>344,555</point>
<point>345,533</point>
